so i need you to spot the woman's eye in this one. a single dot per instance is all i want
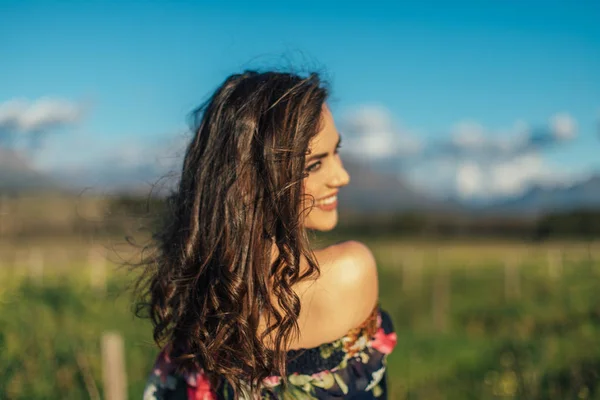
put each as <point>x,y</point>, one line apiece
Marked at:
<point>337,149</point>
<point>313,167</point>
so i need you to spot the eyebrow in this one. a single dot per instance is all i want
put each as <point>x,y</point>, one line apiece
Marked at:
<point>322,155</point>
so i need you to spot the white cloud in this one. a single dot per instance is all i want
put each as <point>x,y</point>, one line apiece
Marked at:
<point>469,134</point>
<point>26,116</point>
<point>469,179</point>
<point>563,126</point>
<point>471,139</point>
<point>477,179</point>
<point>514,176</point>
<point>474,162</point>
<point>477,163</point>
<point>370,131</point>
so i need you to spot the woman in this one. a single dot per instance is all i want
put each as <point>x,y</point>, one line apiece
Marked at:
<point>241,305</point>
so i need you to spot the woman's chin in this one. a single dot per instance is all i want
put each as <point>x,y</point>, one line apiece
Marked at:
<point>327,228</point>
<point>323,223</point>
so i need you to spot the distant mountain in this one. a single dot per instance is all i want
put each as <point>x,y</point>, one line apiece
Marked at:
<point>17,174</point>
<point>370,190</point>
<point>375,191</point>
<point>539,199</point>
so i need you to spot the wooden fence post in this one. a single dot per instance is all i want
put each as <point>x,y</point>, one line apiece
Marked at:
<point>113,367</point>
<point>88,379</point>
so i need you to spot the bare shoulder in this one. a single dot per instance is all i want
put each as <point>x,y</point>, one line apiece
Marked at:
<point>339,299</point>
<point>353,278</point>
<point>353,260</point>
<point>344,294</point>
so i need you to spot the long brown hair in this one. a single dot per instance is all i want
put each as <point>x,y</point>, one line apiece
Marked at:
<point>209,275</point>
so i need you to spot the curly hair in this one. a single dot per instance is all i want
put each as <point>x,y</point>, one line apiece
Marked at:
<point>210,274</point>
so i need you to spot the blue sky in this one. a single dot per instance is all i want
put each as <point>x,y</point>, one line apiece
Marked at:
<point>420,71</point>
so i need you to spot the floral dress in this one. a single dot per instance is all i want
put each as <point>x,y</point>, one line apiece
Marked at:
<point>351,367</point>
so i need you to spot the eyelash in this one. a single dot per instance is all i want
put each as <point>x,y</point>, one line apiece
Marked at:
<point>311,168</point>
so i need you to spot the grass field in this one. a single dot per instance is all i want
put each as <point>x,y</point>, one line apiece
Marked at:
<point>485,320</point>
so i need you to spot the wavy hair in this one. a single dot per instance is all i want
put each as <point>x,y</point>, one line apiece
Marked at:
<point>210,273</point>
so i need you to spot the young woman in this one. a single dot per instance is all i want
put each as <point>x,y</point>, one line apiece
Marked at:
<point>242,307</point>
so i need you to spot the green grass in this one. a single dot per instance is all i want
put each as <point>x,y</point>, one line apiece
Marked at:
<point>541,343</point>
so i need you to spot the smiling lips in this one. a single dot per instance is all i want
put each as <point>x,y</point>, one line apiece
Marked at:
<point>327,203</point>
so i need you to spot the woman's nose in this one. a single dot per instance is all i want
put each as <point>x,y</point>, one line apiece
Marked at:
<point>340,176</point>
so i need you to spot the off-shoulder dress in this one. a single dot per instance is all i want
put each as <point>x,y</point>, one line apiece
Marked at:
<point>351,367</point>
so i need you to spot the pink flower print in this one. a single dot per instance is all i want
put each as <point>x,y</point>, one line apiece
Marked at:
<point>383,342</point>
<point>199,388</point>
<point>271,381</point>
